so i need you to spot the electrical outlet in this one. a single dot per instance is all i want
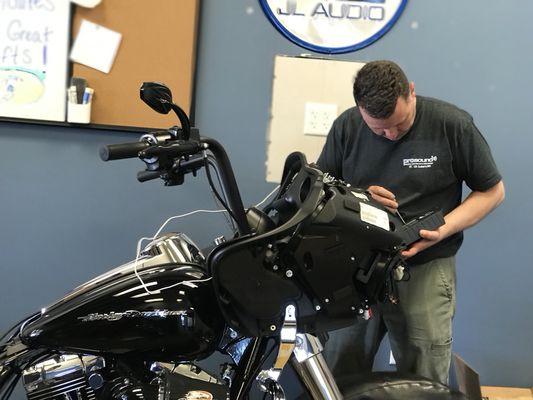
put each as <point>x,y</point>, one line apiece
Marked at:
<point>318,118</point>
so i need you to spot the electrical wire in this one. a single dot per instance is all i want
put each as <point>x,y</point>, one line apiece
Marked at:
<point>158,232</point>
<point>210,180</point>
<point>268,195</point>
<point>139,244</point>
<point>230,221</point>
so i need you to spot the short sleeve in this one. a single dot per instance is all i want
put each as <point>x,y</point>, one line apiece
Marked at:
<point>330,159</point>
<point>473,161</point>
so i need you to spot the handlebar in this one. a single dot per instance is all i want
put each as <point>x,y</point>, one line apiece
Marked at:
<point>145,150</point>
<point>174,149</point>
<point>164,160</point>
<point>122,150</point>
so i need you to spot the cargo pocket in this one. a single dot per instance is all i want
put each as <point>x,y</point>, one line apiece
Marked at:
<point>447,281</point>
<point>441,349</point>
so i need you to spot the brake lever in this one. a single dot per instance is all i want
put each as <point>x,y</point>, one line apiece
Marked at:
<point>144,176</point>
<point>175,174</point>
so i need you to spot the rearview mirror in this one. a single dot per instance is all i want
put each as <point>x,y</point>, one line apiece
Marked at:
<point>157,96</point>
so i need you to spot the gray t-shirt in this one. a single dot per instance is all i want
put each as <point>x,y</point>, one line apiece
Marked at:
<point>425,169</point>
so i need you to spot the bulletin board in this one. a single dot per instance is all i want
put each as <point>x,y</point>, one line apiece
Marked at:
<point>307,95</point>
<point>158,44</point>
<point>34,39</point>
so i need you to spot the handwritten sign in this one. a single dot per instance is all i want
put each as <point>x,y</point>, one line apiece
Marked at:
<point>34,37</point>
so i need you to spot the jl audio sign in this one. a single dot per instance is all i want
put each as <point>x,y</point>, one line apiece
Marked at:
<point>333,26</point>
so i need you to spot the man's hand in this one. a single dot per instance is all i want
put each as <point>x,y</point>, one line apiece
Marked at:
<point>384,197</point>
<point>472,210</point>
<point>428,239</point>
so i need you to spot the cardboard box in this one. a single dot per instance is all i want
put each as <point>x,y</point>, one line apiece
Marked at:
<point>506,393</point>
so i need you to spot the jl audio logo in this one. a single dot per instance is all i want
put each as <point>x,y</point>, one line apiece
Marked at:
<point>419,162</point>
<point>333,26</point>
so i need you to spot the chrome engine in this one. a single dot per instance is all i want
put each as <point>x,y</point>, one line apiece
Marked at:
<point>84,377</point>
<point>64,377</point>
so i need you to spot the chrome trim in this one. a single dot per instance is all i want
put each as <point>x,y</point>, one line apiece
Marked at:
<point>307,346</point>
<point>268,379</point>
<point>194,372</point>
<point>309,364</point>
<point>170,248</point>
<point>54,370</point>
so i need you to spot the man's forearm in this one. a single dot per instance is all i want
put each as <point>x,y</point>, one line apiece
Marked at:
<point>473,209</point>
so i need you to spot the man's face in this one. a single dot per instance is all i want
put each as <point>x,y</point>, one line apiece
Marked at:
<point>399,123</point>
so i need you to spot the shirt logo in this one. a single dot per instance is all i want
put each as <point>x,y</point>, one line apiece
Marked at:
<point>333,26</point>
<point>419,162</point>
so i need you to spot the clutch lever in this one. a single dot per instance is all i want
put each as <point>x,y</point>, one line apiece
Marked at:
<point>144,176</point>
<point>175,174</point>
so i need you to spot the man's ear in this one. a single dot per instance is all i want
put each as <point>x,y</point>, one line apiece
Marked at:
<point>412,89</point>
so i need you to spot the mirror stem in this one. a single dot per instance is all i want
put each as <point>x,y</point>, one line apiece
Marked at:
<point>184,121</point>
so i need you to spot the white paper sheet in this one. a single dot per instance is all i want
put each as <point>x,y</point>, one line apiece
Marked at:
<point>87,3</point>
<point>374,216</point>
<point>95,46</point>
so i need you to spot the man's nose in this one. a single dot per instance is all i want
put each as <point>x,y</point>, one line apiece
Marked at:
<point>391,133</point>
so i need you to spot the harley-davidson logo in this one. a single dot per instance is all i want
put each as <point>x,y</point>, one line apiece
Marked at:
<point>116,316</point>
<point>197,395</point>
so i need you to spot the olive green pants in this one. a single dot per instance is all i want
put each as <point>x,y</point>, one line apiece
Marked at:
<point>419,327</point>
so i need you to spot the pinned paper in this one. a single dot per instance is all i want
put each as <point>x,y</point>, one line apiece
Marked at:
<point>87,3</point>
<point>95,46</point>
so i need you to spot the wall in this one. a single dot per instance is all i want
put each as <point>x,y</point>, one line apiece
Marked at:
<point>66,216</point>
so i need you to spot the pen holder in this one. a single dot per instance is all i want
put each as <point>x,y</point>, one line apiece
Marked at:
<point>79,113</point>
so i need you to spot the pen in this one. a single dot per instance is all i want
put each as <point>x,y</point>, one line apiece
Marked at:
<point>400,215</point>
<point>87,95</point>
<point>72,96</point>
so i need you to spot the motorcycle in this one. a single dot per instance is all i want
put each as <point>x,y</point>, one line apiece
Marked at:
<point>313,260</point>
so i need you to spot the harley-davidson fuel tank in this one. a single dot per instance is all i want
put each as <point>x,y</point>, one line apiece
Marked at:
<point>158,307</point>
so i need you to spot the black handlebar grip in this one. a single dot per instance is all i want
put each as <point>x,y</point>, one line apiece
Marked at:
<point>143,176</point>
<point>122,150</point>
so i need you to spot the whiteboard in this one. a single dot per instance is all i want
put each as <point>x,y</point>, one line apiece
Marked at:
<point>34,38</point>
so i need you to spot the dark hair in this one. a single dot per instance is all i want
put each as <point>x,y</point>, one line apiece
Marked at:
<point>377,87</point>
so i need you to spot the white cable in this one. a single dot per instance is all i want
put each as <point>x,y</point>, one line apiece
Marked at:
<point>268,195</point>
<point>139,244</point>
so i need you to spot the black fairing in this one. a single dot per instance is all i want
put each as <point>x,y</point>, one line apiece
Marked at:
<point>118,316</point>
<point>323,257</point>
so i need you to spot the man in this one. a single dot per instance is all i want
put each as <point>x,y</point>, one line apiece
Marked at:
<point>412,153</point>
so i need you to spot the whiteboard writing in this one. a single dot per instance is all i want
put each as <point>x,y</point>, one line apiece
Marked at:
<point>33,58</point>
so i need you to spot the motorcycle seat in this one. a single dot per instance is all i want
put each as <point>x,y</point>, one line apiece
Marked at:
<point>394,386</point>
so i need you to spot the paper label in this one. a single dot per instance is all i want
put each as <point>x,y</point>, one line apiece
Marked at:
<point>361,196</point>
<point>374,216</point>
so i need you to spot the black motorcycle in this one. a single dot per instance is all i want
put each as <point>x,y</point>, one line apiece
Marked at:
<point>313,260</point>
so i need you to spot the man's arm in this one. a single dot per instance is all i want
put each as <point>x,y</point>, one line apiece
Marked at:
<point>472,210</point>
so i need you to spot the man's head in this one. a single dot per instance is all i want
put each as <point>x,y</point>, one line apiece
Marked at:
<point>385,98</point>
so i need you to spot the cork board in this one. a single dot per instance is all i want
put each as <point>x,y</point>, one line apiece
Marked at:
<point>158,44</point>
